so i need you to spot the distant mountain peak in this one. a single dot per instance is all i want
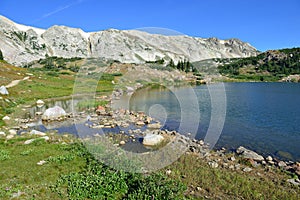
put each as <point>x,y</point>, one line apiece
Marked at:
<point>21,44</point>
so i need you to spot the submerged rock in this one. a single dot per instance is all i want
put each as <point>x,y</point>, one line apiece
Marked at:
<point>152,139</point>
<point>54,113</point>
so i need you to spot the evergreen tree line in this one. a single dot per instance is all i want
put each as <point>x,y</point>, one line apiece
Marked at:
<point>287,65</point>
<point>184,65</point>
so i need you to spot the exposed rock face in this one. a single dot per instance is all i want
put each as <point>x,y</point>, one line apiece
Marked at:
<point>21,44</point>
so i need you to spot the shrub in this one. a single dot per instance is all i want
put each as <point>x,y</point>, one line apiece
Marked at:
<point>98,181</point>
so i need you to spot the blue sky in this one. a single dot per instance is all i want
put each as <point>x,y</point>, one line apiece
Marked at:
<point>265,24</point>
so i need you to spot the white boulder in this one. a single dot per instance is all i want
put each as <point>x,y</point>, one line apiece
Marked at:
<point>39,133</point>
<point>40,103</point>
<point>3,90</point>
<point>46,138</point>
<point>12,132</point>
<point>2,134</point>
<point>6,118</point>
<point>54,113</point>
<point>9,137</point>
<point>152,139</point>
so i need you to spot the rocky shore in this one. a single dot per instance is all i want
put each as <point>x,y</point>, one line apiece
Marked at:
<point>136,127</point>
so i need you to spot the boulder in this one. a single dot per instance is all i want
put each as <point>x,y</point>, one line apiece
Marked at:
<point>269,158</point>
<point>281,164</point>
<point>129,89</point>
<point>247,169</point>
<point>6,118</point>
<point>40,103</point>
<point>10,136</point>
<point>100,110</point>
<point>3,90</point>
<point>2,134</point>
<point>140,123</point>
<point>294,181</point>
<point>246,153</point>
<point>41,162</point>
<point>53,113</point>
<point>154,126</point>
<point>46,138</point>
<point>39,133</point>
<point>12,132</point>
<point>152,139</point>
<point>213,164</point>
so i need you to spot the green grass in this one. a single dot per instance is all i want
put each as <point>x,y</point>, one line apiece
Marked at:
<point>19,170</point>
<point>72,172</point>
<point>87,104</point>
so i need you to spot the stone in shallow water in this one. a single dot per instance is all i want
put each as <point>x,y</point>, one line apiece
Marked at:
<point>152,139</point>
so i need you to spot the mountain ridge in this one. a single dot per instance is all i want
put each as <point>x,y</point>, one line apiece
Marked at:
<point>21,44</point>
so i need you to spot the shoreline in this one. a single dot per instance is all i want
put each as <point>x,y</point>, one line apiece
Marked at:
<point>197,147</point>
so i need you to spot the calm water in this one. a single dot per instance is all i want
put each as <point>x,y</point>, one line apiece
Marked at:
<point>261,116</point>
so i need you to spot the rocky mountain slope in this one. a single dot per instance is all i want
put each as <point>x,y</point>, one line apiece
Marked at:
<point>22,44</point>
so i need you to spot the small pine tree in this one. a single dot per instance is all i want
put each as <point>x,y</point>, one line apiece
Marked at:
<point>1,55</point>
<point>171,63</point>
